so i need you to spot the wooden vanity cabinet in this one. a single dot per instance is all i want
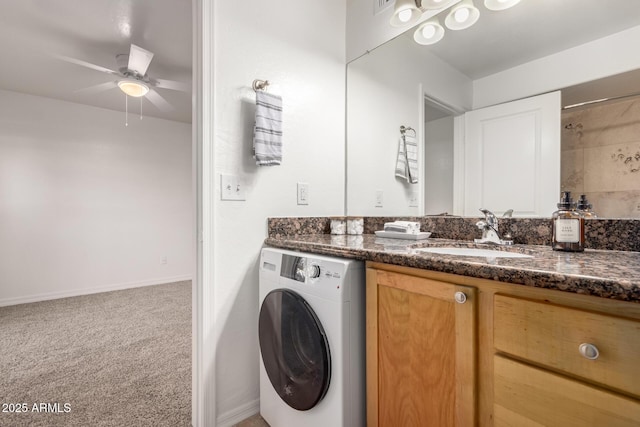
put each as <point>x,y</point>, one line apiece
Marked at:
<point>563,366</point>
<point>421,343</point>
<point>510,355</point>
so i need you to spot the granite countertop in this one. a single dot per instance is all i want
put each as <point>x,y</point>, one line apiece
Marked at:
<point>603,273</point>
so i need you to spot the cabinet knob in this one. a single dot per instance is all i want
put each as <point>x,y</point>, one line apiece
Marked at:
<point>589,351</point>
<point>460,297</point>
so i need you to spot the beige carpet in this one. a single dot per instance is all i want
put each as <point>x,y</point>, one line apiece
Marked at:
<point>255,421</point>
<point>116,359</point>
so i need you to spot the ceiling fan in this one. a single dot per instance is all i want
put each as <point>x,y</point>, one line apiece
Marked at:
<point>132,77</point>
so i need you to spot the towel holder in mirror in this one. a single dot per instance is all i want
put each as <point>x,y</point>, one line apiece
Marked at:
<point>405,129</point>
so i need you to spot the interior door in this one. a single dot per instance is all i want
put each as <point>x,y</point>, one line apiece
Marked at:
<point>512,158</point>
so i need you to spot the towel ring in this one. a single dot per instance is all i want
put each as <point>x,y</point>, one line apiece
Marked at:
<point>259,85</point>
<point>405,129</point>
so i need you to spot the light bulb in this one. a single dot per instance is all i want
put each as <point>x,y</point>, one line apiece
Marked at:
<point>133,87</point>
<point>500,4</point>
<point>462,14</point>
<point>428,31</point>
<point>405,15</point>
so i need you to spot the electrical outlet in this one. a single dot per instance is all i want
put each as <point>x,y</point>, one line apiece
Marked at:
<point>303,193</point>
<point>231,188</point>
<point>163,260</point>
<point>379,198</point>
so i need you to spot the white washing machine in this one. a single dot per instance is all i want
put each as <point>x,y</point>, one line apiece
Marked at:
<point>312,340</point>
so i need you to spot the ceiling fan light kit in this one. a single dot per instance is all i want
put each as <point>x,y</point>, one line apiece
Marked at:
<point>133,88</point>
<point>462,15</point>
<point>132,78</point>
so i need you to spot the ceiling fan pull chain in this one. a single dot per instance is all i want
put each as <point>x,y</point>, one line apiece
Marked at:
<point>126,109</point>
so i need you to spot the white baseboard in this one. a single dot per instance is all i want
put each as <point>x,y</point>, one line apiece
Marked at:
<point>77,292</point>
<point>242,412</point>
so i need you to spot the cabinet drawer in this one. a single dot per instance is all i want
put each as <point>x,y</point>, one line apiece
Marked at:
<point>526,396</point>
<point>551,335</point>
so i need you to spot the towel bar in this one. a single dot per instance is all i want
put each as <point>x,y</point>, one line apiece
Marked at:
<point>405,129</point>
<point>260,84</point>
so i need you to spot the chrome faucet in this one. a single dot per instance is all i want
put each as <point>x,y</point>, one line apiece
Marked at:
<point>489,229</point>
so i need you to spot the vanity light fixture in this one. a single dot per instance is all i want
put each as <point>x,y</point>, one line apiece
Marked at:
<point>436,4</point>
<point>133,87</point>
<point>462,16</point>
<point>406,12</point>
<point>430,32</point>
<point>500,4</point>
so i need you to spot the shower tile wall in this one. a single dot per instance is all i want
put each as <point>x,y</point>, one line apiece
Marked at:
<point>601,156</point>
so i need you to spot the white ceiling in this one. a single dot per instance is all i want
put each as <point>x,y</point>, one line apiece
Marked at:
<point>95,31</point>
<point>530,30</point>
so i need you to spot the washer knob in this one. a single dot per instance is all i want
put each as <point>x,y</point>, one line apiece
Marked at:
<point>314,271</point>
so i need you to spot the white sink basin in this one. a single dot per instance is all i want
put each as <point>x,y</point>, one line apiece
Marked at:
<point>486,253</point>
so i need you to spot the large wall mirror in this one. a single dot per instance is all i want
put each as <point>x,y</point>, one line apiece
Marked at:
<point>530,50</point>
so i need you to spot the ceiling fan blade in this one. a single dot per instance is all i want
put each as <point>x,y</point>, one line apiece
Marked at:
<point>139,60</point>
<point>172,85</point>
<point>157,100</point>
<point>96,88</point>
<point>86,64</point>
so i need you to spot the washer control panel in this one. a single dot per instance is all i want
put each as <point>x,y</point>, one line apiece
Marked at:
<point>302,269</point>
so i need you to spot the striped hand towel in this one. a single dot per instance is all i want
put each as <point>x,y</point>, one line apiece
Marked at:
<point>407,164</point>
<point>267,132</point>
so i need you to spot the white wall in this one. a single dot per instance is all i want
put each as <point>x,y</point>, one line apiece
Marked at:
<point>300,48</point>
<point>604,57</point>
<point>87,204</point>
<point>385,90</point>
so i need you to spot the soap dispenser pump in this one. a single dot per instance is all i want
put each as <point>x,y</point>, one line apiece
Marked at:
<point>568,226</point>
<point>586,208</point>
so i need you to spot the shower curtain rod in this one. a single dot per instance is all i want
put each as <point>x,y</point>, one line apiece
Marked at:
<point>597,101</point>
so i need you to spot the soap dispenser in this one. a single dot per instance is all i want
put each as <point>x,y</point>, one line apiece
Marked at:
<point>568,226</point>
<point>585,208</point>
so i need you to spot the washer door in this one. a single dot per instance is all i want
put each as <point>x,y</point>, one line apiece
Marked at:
<point>295,350</point>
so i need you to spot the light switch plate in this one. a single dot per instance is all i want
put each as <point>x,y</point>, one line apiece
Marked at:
<point>231,188</point>
<point>413,199</point>
<point>379,198</point>
<point>303,193</point>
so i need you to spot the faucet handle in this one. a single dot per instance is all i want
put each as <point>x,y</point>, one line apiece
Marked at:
<point>490,217</point>
<point>508,213</point>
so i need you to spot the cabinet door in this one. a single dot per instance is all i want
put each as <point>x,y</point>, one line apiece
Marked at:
<point>421,353</point>
<point>512,157</point>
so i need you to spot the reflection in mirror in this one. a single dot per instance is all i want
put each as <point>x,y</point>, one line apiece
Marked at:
<point>401,83</point>
<point>438,158</point>
<point>601,147</point>
<point>385,90</point>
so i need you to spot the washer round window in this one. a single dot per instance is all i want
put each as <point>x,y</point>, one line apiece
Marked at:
<point>294,349</point>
